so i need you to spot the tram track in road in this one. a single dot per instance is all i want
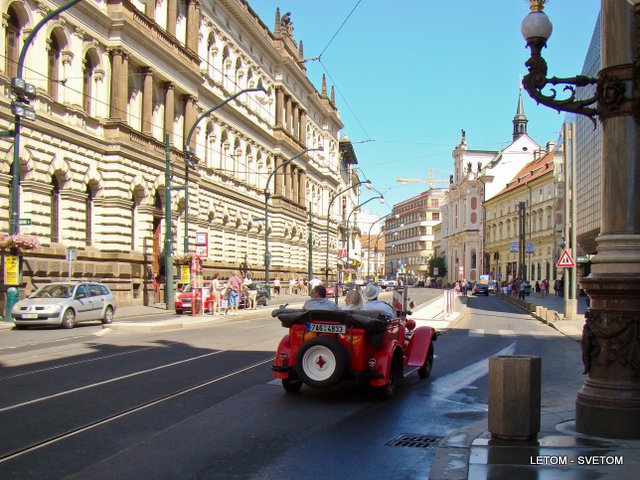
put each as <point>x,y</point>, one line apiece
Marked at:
<point>52,439</point>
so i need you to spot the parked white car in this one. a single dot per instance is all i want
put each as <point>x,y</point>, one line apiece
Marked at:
<point>65,304</point>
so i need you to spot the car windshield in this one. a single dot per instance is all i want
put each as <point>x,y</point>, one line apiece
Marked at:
<point>53,291</point>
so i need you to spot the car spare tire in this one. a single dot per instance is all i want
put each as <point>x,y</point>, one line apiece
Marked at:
<point>322,362</point>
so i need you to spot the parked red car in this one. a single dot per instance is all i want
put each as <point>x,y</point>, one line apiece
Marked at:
<point>184,299</point>
<point>331,292</point>
<point>324,347</point>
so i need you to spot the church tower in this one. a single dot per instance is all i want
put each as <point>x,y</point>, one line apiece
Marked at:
<point>520,120</point>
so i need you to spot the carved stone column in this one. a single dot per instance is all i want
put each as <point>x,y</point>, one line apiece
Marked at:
<point>295,180</point>
<point>169,109</point>
<point>172,16</point>
<point>287,113</point>
<point>303,189</point>
<point>295,125</point>
<point>150,9</point>
<point>193,25</point>
<point>303,127</point>
<point>147,101</point>
<point>190,118</point>
<point>277,178</point>
<point>608,404</point>
<point>279,107</point>
<point>119,84</point>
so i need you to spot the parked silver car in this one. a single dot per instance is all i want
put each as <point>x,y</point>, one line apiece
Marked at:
<point>65,304</point>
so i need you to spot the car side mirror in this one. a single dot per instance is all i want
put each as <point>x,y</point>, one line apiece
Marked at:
<point>411,304</point>
<point>81,295</point>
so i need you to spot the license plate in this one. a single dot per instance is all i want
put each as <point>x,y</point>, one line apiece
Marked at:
<point>29,315</point>
<point>326,328</point>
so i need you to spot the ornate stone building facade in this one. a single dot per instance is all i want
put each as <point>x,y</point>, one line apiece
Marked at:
<point>479,175</point>
<point>119,85</point>
<point>409,236</point>
<point>525,215</point>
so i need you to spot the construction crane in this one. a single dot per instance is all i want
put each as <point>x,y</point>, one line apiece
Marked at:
<point>429,180</point>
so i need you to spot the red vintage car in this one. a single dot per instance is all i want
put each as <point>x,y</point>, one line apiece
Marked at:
<point>184,300</point>
<point>324,347</point>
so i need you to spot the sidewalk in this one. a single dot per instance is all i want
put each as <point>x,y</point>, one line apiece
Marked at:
<point>559,452</point>
<point>157,318</point>
<point>550,310</point>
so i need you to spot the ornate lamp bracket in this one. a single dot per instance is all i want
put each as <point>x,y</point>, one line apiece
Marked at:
<point>536,80</point>
<point>611,87</point>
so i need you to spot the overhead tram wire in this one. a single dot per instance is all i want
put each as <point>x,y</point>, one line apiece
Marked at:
<point>339,28</point>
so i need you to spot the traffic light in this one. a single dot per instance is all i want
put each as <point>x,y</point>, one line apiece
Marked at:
<point>24,92</point>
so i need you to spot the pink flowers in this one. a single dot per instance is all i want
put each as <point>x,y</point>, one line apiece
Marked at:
<point>19,241</point>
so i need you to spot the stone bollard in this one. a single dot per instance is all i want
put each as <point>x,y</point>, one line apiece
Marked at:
<point>514,397</point>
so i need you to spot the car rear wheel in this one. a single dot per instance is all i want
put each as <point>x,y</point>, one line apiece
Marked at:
<point>321,362</point>
<point>108,316</point>
<point>291,386</point>
<point>425,370</point>
<point>69,319</point>
<point>390,388</point>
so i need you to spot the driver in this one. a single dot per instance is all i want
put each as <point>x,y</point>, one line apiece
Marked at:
<point>370,293</point>
<point>319,300</point>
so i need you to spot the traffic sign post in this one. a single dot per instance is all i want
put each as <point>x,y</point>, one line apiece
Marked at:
<point>566,261</point>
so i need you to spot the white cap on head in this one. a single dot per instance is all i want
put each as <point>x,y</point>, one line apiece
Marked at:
<point>371,291</point>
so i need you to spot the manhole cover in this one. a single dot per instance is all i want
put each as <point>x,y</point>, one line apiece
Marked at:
<point>413,440</point>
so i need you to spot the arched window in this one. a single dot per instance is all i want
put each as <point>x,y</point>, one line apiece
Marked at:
<point>88,222</point>
<point>54,66</point>
<point>12,42</point>
<point>88,82</point>
<point>224,152</point>
<point>209,145</point>
<point>211,54</point>
<point>54,213</point>
<point>226,66</point>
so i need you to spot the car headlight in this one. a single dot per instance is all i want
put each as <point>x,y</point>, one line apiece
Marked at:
<point>54,308</point>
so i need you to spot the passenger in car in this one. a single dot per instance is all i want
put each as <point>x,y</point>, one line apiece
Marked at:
<point>371,292</point>
<point>354,300</point>
<point>319,300</point>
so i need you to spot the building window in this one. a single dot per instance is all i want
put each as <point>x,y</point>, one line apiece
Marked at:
<point>88,79</point>
<point>53,67</point>
<point>55,211</point>
<point>12,43</point>
<point>88,224</point>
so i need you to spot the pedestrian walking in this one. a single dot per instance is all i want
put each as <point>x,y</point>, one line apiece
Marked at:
<point>216,290</point>
<point>292,284</point>
<point>251,292</point>
<point>235,284</point>
<point>276,286</point>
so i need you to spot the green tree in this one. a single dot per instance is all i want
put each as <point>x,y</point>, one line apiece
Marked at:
<point>438,263</point>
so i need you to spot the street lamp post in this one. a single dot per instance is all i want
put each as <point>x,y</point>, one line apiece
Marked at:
<point>267,255</point>
<point>369,237</point>
<point>24,93</point>
<point>376,250</point>
<point>379,197</point>
<point>326,257</point>
<point>188,154</point>
<point>608,403</point>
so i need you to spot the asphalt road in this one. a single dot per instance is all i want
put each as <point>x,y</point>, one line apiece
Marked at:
<point>201,402</point>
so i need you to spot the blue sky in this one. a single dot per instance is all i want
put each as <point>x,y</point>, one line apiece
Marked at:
<point>409,75</point>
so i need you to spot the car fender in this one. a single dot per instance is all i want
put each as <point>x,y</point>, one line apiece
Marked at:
<point>284,347</point>
<point>384,358</point>
<point>418,348</point>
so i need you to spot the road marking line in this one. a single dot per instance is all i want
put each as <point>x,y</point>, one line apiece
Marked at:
<point>106,382</point>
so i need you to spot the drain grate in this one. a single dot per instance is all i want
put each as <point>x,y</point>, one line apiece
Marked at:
<point>414,440</point>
